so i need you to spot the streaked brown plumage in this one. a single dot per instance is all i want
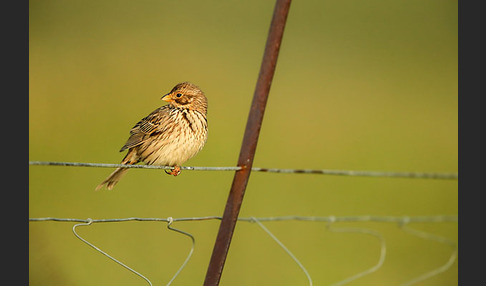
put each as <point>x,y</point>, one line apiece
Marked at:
<point>170,135</point>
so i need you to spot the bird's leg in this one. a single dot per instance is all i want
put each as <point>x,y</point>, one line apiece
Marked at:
<point>176,171</point>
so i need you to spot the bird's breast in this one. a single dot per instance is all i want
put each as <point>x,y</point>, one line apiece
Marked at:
<point>180,138</point>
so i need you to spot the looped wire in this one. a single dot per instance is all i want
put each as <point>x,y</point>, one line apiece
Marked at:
<point>89,222</point>
<point>170,220</point>
<point>437,238</point>
<point>402,222</point>
<point>376,234</point>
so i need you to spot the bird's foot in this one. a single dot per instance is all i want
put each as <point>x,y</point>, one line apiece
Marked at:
<point>176,171</point>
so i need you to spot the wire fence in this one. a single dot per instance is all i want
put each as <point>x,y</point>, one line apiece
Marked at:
<point>415,175</point>
<point>402,222</point>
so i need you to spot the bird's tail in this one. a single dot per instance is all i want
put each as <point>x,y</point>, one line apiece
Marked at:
<point>113,178</point>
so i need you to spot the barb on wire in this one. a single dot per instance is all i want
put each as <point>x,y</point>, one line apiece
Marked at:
<point>376,234</point>
<point>412,175</point>
<point>170,221</point>
<point>89,222</point>
<point>430,236</point>
<point>284,248</point>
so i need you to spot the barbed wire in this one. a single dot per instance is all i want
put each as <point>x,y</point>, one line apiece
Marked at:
<point>415,175</point>
<point>401,221</point>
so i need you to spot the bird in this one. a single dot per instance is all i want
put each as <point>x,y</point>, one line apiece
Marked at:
<point>169,136</point>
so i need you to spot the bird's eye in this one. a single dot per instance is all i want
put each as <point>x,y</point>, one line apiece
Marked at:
<point>179,94</point>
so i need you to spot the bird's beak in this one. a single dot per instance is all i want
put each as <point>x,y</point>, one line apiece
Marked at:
<point>167,98</point>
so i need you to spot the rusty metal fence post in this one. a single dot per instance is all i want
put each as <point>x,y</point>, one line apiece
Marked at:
<point>248,147</point>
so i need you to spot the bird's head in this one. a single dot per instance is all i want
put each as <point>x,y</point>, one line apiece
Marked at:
<point>187,95</point>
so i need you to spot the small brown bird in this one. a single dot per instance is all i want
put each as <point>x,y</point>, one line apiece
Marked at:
<point>170,135</point>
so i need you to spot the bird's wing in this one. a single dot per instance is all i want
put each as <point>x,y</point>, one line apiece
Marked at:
<point>147,126</point>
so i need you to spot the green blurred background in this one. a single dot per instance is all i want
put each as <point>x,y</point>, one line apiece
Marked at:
<point>359,85</point>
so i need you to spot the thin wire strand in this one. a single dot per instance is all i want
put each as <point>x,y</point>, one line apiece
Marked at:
<point>375,267</point>
<point>89,222</point>
<point>364,218</point>
<point>440,239</point>
<point>414,175</point>
<point>284,248</point>
<point>170,221</point>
